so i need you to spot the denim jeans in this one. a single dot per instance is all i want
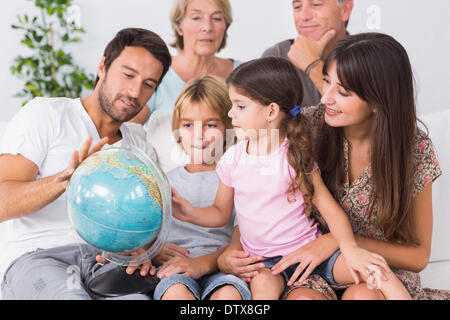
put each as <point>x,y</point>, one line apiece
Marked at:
<point>201,288</point>
<point>325,269</point>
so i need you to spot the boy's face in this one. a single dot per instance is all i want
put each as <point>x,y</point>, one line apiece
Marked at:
<point>202,133</point>
<point>129,83</point>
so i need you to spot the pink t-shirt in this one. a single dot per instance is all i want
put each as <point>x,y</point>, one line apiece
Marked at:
<point>270,225</point>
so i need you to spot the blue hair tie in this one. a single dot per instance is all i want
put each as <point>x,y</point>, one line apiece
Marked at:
<point>295,111</point>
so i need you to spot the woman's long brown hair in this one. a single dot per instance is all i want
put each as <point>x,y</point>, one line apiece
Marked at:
<point>377,69</point>
<point>275,80</point>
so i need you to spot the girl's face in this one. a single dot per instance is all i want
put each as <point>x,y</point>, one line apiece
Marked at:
<point>202,133</point>
<point>344,108</point>
<point>247,116</point>
<point>202,28</point>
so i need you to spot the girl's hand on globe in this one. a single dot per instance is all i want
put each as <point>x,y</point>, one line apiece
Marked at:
<point>181,208</point>
<point>78,157</point>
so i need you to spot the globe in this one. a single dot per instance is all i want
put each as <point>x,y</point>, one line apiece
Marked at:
<point>119,201</point>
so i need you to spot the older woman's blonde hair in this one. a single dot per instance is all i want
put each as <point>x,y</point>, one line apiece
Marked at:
<point>179,12</point>
<point>208,90</point>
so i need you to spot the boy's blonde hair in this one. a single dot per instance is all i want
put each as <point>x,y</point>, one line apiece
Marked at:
<point>208,90</point>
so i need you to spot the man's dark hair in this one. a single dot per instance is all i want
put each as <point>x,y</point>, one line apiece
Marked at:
<point>136,37</point>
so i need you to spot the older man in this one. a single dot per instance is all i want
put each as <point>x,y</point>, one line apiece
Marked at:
<point>41,254</point>
<point>320,24</point>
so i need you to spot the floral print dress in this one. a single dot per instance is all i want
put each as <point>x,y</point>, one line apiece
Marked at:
<point>356,202</point>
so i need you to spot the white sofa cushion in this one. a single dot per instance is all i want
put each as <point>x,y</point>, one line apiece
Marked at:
<point>436,275</point>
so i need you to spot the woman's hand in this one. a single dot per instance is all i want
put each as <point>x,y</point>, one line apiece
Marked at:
<point>190,267</point>
<point>309,257</point>
<point>240,264</point>
<point>360,262</point>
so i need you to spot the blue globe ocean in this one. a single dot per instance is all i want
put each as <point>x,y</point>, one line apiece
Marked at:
<point>114,200</point>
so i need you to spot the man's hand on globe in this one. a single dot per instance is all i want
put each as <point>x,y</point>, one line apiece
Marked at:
<point>78,157</point>
<point>146,268</point>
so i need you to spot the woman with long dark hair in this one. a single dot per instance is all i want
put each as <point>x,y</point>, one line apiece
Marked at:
<point>375,161</point>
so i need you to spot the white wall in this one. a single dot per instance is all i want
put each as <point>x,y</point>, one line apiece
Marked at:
<point>421,26</point>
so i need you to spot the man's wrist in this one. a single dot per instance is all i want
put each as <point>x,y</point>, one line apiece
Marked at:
<point>311,66</point>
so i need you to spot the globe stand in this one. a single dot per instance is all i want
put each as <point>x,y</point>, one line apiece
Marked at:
<point>111,280</point>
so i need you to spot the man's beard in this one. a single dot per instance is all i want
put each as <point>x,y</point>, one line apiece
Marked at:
<point>107,104</point>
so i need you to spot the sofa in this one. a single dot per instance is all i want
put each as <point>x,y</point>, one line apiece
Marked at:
<point>437,274</point>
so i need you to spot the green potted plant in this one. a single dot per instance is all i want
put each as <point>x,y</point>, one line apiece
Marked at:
<point>49,70</point>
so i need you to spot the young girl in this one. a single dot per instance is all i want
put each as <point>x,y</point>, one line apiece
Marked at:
<point>189,260</point>
<point>273,181</point>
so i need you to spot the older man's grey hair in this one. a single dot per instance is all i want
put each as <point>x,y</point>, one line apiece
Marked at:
<point>339,4</point>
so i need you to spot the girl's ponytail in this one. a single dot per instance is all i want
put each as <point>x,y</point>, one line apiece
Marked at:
<point>300,156</point>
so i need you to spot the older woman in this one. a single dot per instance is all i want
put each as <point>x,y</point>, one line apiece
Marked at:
<point>200,28</point>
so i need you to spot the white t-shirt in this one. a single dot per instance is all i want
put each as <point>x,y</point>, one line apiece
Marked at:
<point>47,131</point>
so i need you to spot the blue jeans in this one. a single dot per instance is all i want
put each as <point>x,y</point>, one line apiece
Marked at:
<point>325,269</point>
<point>201,288</point>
